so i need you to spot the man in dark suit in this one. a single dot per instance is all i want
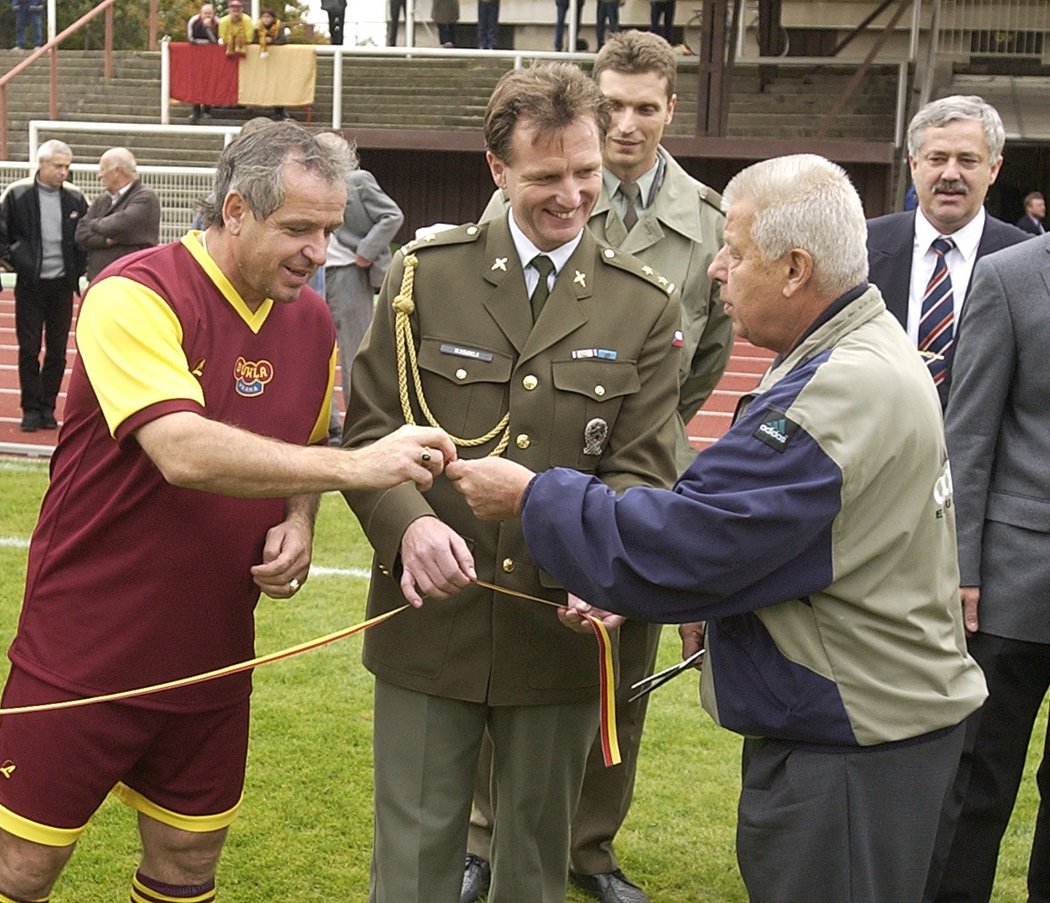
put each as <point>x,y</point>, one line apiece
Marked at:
<point>998,434</point>
<point>528,338</point>
<point>955,149</point>
<point>124,218</point>
<point>1034,211</point>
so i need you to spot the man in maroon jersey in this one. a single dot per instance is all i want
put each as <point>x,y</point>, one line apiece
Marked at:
<point>183,484</point>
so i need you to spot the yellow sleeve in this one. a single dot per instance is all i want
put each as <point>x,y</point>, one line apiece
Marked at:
<point>131,344</point>
<point>319,435</point>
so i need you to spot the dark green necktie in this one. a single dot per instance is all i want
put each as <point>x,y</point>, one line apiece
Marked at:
<point>631,192</point>
<point>544,266</point>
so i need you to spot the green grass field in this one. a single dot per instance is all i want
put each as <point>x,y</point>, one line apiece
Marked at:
<point>304,832</point>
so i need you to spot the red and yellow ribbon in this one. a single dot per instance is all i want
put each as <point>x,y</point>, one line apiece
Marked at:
<point>607,675</point>
<point>208,675</point>
<point>610,745</point>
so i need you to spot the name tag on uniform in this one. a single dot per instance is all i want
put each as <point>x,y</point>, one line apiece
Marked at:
<point>459,351</point>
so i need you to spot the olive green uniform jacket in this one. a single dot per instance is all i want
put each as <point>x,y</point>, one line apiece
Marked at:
<point>601,353</point>
<point>678,235</point>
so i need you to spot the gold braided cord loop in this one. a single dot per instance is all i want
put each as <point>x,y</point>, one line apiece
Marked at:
<point>404,305</point>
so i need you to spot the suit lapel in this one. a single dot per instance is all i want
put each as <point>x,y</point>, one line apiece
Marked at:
<point>890,264</point>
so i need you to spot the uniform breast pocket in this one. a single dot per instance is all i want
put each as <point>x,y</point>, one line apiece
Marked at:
<point>465,386</point>
<point>587,404</point>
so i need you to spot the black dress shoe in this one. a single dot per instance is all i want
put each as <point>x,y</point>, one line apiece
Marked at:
<point>47,419</point>
<point>477,874</point>
<point>31,421</point>
<point>610,887</point>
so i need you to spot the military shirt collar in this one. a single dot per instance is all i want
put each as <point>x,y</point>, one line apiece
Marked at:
<point>527,250</point>
<point>648,183</point>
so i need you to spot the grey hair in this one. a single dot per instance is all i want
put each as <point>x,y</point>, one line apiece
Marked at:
<point>805,201</point>
<point>49,148</point>
<point>340,145</point>
<point>939,113</point>
<point>253,165</point>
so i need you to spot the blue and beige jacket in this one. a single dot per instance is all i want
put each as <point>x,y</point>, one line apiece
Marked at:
<point>816,538</point>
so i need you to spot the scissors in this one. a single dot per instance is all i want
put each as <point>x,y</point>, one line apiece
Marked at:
<point>650,683</point>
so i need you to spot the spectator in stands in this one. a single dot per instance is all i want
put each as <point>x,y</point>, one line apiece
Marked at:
<point>608,18</point>
<point>40,217</point>
<point>336,10</point>
<point>270,32</point>
<point>235,30</point>
<point>488,24</point>
<point>446,15</point>
<point>28,12</point>
<point>203,28</point>
<point>661,18</point>
<point>124,218</point>
<point>394,10</point>
<point>358,258</point>
<point>1034,211</point>
<point>561,15</point>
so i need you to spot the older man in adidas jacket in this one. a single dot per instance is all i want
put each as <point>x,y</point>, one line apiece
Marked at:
<point>816,539</point>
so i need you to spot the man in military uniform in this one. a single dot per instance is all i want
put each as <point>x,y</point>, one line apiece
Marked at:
<point>675,227</point>
<point>527,337</point>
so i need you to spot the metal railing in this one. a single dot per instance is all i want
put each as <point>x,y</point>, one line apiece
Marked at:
<point>51,47</point>
<point>180,189</point>
<point>1014,29</point>
<point>223,133</point>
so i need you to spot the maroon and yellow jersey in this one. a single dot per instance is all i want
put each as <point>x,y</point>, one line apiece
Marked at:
<point>132,581</point>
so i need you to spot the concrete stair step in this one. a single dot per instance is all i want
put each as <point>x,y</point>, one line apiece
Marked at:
<point>385,93</point>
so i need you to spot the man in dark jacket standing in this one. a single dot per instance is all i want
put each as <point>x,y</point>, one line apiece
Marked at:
<point>124,218</point>
<point>40,216</point>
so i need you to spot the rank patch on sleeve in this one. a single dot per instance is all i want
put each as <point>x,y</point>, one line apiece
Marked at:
<point>776,429</point>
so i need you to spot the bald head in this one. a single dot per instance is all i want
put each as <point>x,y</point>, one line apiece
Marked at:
<point>116,168</point>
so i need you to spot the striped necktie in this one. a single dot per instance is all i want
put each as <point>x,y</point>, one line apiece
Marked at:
<point>936,326</point>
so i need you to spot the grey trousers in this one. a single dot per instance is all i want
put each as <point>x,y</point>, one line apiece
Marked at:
<point>351,299</point>
<point>853,827</point>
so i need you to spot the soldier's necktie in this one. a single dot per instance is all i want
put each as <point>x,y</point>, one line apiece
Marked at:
<point>544,266</point>
<point>631,192</point>
<point>936,326</point>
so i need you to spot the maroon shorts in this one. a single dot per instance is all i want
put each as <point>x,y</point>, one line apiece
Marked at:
<point>185,769</point>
